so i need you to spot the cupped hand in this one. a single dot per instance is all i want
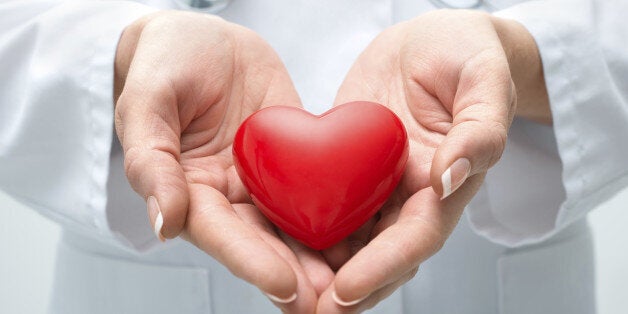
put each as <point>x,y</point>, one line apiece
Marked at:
<point>450,76</point>
<point>184,82</point>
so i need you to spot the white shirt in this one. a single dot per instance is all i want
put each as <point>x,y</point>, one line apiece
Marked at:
<point>56,155</point>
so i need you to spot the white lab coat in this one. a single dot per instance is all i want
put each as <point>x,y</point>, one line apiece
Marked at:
<point>525,247</point>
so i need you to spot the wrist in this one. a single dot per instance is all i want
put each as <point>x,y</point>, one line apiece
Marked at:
<point>526,69</point>
<point>124,53</point>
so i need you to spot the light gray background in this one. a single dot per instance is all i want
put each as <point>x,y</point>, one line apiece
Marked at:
<point>27,247</point>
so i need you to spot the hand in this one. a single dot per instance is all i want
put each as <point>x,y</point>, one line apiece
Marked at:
<point>451,77</point>
<point>185,83</point>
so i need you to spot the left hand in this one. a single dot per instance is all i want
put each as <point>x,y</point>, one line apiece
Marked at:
<point>450,76</point>
<point>185,82</point>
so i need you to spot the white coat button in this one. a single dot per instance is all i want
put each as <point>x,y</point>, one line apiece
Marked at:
<point>207,6</point>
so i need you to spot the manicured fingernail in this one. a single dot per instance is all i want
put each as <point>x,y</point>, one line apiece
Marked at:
<point>282,300</point>
<point>154,213</point>
<point>455,176</point>
<point>345,303</point>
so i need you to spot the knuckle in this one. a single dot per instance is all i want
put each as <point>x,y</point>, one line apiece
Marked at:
<point>433,238</point>
<point>413,273</point>
<point>437,243</point>
<point>122,106</point>
<point>489,141</point>
<point>119,125</point>
<point>498,137</point>
<point>133,165</point>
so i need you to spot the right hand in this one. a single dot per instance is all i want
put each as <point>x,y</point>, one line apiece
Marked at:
<point>184,82</point>
<point>454,77</point>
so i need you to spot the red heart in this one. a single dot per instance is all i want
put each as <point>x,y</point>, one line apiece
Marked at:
<point>319,178</point>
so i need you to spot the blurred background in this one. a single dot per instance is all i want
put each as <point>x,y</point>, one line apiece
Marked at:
<point>28,242</point>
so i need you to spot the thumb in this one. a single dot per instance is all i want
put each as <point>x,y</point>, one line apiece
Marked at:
<point>478,134</point>
<point>147,124</point>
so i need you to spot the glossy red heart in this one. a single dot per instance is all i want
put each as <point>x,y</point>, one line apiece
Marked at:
<point>319,178</point>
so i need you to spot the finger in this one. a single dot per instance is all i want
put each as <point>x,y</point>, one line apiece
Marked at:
<point>281,91</point>
<point>371,75</point>
<point>263,62</point>
<point>307,296</point>
<point>341,252</point>
<point>358,86</point>
<point>337,255</point>
<point>214,227</point>
<point>482,112</point>
<point>148,128</point>
<point>314,265</point>
<point>383,293</point>
<point>328,303</point>
<point>423,225</point>
<point>388,216</point>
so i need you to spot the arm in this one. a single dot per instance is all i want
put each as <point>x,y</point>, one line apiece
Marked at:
<point>460,105</point>
<point>180,97</point>
<point>184,84</point>
<point>56,110</point>
<point>526,70</point>
<point>580,162</point>
<point>447,75</point>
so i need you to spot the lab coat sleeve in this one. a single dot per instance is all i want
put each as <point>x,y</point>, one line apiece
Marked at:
<point>56,106</point>
<point>551,176</point>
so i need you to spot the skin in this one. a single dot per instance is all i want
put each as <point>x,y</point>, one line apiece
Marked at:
<point>453,105</point>
<point>454,77</point>
<point>184,83</point>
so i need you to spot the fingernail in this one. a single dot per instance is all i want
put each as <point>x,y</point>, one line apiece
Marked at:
<point>154,213</point>
<point>282,300</point>
<point>455,176</point>
<point>345,303</point>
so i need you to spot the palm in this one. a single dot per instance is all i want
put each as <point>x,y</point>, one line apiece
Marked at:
<point>454,106</point>
<point>207,161</point>
<point>427,121</point>
<point>193,79</point>
<point>258,81</point>
<point>414,211</point>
